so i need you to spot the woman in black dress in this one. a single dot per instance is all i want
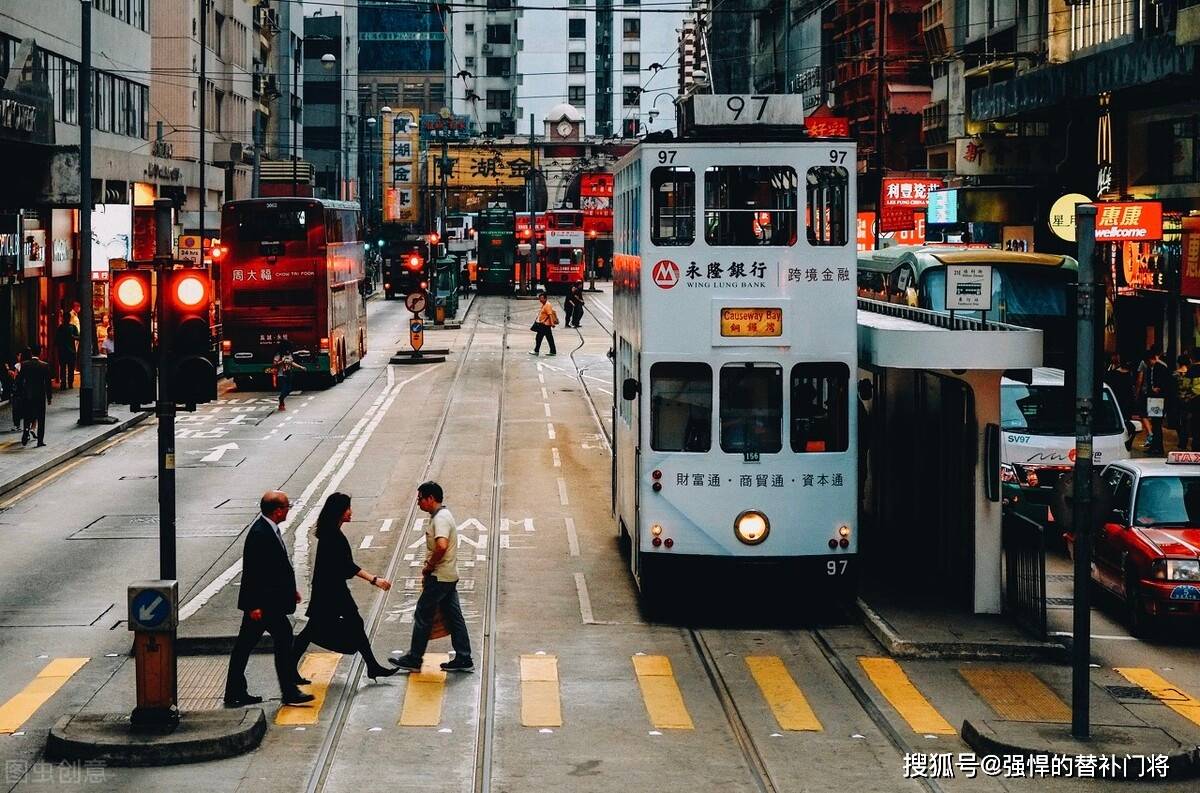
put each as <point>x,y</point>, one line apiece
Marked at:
<point>333,618</point>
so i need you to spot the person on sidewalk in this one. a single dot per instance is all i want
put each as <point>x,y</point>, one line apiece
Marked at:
<point>8,379</point>
<point>35,391</point>
<point>282,368</point>
<point>544,326</point>
<point>266,597</point>
<point>576,300</point>
<point>1158,386</point>
<point>1182,401</point>
<point>66,342</point>
<point>333,618</point>
<point>439,579</point>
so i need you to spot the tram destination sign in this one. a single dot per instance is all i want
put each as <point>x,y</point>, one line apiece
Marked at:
<point>752,322</point>
<point>771,110</point>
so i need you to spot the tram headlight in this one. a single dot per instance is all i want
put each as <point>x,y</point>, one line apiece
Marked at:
<point>844,531</point>
<point>751,527</point>
<point>656,529</point>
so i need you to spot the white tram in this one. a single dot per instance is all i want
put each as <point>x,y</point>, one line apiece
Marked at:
<point>735,349</point>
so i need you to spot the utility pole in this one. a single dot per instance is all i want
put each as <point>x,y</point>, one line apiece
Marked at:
<point>1086,308</point>
<point>203,122</point>
<point>532,209</point>
<point>85,217</point>
<point>880,114</point>
<point>165,407</point>
<point>292,113</point>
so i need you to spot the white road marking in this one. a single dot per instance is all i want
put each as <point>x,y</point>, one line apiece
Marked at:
<point>545,396</point>
<point>562,491</point>
<point>557,459</point>
<point>1102,636</point>
<point>366,542</point>
<point>550,431</point>
<point>546,405</point>
<point>572,537</point>
<point>210,591</point>
<point>604,390</point>
<point>585,602</point>
<point>419,526</point>
<point>387,525</point>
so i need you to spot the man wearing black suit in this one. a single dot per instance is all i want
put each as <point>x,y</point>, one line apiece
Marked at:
<point>35,389</point>
<point>268,595</point>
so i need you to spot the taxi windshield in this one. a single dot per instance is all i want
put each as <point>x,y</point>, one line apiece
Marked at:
<point>1047,410</point>
<point>1168,500</point>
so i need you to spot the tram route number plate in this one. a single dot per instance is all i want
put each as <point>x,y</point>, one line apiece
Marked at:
<point>752,322</point>
<point>773,109</point>
<point>415,302</point>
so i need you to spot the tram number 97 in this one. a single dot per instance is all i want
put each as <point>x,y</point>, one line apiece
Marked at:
<point>736,104</point>
<point>836,567</point>
<point>667,155</point>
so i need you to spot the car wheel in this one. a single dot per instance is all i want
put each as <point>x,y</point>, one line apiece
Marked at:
<point>1139,623</point>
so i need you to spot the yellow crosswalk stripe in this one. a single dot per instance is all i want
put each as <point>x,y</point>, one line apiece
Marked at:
<point>541,705</point>
<point>319,668</point>
<point>664,702</point>
<point>785,698</point>
<point>423,696</point>
<point>21,706</point>
<point>1164,691</point>
<point>1016,694</point>
<point>912,706</point>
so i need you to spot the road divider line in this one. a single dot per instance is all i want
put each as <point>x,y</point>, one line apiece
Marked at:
<point>557,459</point>
<point>893,683</point>
<point>779,689</point>
<point>541,705</point>
<point>572,538</point>
<point>424,693</point>
<point>545,396</point>
<point>319,668</point>
<point>386,525</point>
<point>660,693</point>
<point>585,600</point>
<point>550,431</point>
<point>546,406</point>
<point>54,675</point>
<point>562,491</point>
<point>1162,689</point>
<point>366,542</point>
<point>1016,694</point>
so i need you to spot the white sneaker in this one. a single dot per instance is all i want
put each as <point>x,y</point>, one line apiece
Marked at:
<point>533,352</point>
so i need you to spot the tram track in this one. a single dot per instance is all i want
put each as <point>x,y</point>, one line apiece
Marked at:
<point>483,741</point>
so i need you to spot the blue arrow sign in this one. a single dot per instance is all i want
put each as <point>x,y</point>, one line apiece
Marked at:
<point>151,608</point>
<point>415,326</point>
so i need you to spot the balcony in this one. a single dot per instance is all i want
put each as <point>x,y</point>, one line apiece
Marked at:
<point>934,28</point>
<point>935,120</point>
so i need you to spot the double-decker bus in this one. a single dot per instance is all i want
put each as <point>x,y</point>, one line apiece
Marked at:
<point>290,275</point>
<point>562,256</point>
<point>497,249</point>
<point>735,345</point>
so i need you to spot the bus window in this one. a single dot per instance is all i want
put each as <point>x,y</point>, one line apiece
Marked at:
<point>828,212</point>
<point>820,397</point>
<point>674,207</point>
<point>271,224</point>
<point>680,407</point>
<point>751,407</point>
<point>750,205</point>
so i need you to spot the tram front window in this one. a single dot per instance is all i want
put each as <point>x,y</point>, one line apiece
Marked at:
<point>751,408</point>
<point>750,205</point>
<point>680,407</point>
<point>673,191</point>
<point>819,407</point>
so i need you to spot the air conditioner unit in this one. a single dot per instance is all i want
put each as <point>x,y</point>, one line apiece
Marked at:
<point>487,49</point>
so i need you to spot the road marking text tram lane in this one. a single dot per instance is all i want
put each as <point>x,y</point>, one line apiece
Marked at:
<point>319,668</point>
<point>660,692</point>
<point>1016,694</point>
<point>785,698</point>
<point>541,705</point>
<point>423,695</point>
<point>890,680</point>
<point>24,704</point>
<point>1164,691</point>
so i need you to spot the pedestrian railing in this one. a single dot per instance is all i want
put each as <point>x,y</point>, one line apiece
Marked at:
<point>938,319</point>
<point>1025,572</point>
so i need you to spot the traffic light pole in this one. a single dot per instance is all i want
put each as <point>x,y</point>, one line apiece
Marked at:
<point>85,218</point>
<point>164,409</point>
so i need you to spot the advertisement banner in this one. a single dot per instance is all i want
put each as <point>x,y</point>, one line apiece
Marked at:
<point>1125,221</point>
<point>595,199</point>
<point>827,126</point>
<point>900,196</point>
<point>400,152</point>
<point>865,236</point>
<point>1189,268</point>
<point>473,167</point>
<point>35,253</point>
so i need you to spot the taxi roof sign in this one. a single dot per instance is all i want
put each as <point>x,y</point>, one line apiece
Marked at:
<point>1183,458</point>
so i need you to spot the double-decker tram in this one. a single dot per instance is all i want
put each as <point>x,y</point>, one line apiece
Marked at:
<point>564,249</point>
<point>497,249</point>
<point>290,277</point>
<point>735,346</point>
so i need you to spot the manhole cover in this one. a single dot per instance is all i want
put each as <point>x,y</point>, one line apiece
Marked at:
<point>1131,693</point>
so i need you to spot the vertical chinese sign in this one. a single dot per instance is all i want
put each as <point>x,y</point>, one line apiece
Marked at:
<point>900,197</point>
<point>1189,268</point>
<point>400,150</point>
<point>595,199</point>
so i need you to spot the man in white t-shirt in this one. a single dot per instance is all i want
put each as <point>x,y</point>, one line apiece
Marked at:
<point>440,587</point>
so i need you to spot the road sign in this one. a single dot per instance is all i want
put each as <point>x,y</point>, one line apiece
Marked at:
<point>153,606</point>
<point>416,333</point>
<point>969,287</point>
<point>415,302</point>
<point>189,248</point>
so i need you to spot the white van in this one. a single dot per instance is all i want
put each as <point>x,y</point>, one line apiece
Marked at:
<point>1037,431</point>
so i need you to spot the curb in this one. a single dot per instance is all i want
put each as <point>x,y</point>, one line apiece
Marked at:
<point>201,736</point>
<point>87,445</point>
<point>1183,764</point>
<point>216,645</point>
<point>899,647</point>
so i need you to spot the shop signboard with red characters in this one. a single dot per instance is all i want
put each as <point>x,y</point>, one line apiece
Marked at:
<point>865,237</point>
<point>1129,221</point>
<point>900,196</point>
<point>1189,269</point>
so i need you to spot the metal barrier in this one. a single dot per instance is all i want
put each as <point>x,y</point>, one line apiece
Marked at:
<point>1025,572</point>
<point>938,319</point>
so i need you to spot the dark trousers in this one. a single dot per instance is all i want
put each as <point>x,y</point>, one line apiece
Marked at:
<point>359,640</point>
<point>444,595</point>
<point>66,372</point>
<point>36,414</point>
<point>285,387</point>
<point>248,635</point>
<point>1156,429</point>
<point>544,332</point>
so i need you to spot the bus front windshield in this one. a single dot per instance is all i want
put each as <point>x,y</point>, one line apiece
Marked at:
<point>1048,410</point>
<point>1017,291</point>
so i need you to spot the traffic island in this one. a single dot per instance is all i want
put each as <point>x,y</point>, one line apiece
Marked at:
<point>1131,746</point>
<point>197,737</point>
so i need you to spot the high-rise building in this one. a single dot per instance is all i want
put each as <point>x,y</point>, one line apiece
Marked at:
<point>331,102</point>
<point>484,69</point>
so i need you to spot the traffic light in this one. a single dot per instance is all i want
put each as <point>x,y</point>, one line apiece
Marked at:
<point>434,238</point>
<point>185,338</point>
<point>414,262</point>
<point>131,366</point>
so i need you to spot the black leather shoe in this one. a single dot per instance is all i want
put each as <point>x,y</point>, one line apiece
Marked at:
<point>381,671</point>
<point>297,698</point>
<point>302,681</point>
<point>407,663</point>
<point>242,701</point>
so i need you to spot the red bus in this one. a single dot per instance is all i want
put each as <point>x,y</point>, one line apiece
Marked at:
<point>562,257</point>
<point>290,273</point>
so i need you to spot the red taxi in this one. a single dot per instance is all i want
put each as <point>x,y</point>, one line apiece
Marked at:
<point>1147,552</point>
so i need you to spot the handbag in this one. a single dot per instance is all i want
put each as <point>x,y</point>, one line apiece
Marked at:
<point>438,629</point>
<point>1154,407</point>
<point>536,327</point>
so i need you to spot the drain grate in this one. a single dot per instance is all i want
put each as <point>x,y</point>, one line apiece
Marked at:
<point>1060,603</point>
<point>1061,578</point>
<point>1131,694</point>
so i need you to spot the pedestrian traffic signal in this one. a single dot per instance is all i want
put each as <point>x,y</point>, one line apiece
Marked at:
<point>189,374</point>
<point>131,368</point>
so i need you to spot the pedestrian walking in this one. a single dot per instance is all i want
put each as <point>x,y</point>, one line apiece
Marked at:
<point>333,619</point>
<point>439,578</point>
<point>66,344</point>
<point>576,313</point>
<point>1119,378</point>
<point>1158,387</point>
<point>8,379</point>
<point>544,326</point>
<point>1180,412</point>
<point>266,597</point>
<point>282,368</point>
<point>35,391</point>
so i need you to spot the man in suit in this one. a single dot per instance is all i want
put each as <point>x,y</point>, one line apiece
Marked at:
<point>34,388</point>
<point>267,596</point>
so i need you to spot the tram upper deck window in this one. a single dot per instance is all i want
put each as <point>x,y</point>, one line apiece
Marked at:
<point>751,407</point>
<point>680,407</point>
<point>748,205</point>
<point>674,209</point>
<point>820,407</point>
<point>828,213</point>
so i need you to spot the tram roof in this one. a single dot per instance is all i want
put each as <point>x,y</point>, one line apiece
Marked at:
<point>933,255</point>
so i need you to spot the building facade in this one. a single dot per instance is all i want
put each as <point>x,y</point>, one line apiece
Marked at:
<point>331,104</point>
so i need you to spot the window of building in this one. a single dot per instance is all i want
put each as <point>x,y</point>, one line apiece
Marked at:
<point>750,205</point>
<point>681,407</point>
<point>820,407</point>
<point>218,111</point>
<point>469,62</point>
<point>499,67</point>
<point>499,34</point>
<point>577,95</point>
<point>577,28</point>
<point>437,94</point>
<point>414,94</point>
<point>631,62</point>
<point>469,28</point>
<point>629,128</point>
<point>576,62</point>
<point>751,408</point>
<point>631,28</point>
<point>631,96</point>
<point>218,43</point>
<point>631,2</point>
<point>499,100</point>
<point>828,209</point>
<point>578,2</point>
<point>673,207</point>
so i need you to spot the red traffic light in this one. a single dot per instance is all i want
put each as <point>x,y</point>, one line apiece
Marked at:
<point>414,262</point>
<point>434,238</point>
<point>131,292</point>
<point>190,291</point>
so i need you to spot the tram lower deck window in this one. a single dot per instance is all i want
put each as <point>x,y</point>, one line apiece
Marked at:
<point>748,205</point>
<point>751,407</point>
<point>680,407</point>
<point>820,407</point>
<point>672,216</point>
<point>828,205</point>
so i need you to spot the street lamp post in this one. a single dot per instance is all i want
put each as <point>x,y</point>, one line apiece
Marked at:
<point>292,113</point>
<point>85,216</point>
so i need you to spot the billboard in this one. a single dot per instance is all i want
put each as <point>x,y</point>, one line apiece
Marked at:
<point>473,167</point>
<point>1121,221</point>
<point>900,196</point>
<point>401,148</point>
